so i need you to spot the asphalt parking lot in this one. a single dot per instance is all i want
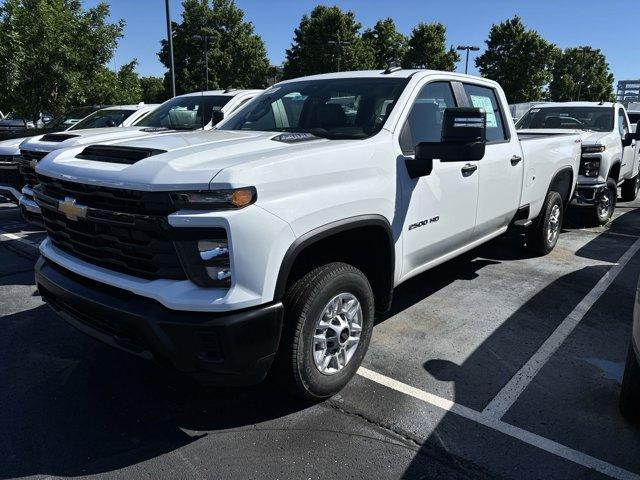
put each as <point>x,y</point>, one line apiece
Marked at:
<point>494,365</point>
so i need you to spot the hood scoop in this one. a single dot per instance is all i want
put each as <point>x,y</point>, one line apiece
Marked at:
<point>117,154</point>
<point>57,137</point>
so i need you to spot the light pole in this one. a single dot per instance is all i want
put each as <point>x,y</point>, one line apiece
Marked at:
<point>172,72</point>
<point>468,48</point>
<point>206,58</point>
<point>340,44</point>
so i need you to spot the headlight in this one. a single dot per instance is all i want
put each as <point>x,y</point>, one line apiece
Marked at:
<point>593,148</point>
<point>231,199</point>
<point>8,161</point>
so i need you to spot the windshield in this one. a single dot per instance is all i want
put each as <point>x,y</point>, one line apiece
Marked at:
<point>185,113</point>
<point>69,118</point>
<point>111,117</point>
<point>599,119</point>
<point>333,108</point>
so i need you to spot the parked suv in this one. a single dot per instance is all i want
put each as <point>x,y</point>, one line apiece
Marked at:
<point>609,154</point>
<point>269,242</point>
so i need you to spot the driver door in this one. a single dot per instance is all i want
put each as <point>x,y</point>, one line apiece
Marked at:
<point>440,207</point>
<point>628,152</point>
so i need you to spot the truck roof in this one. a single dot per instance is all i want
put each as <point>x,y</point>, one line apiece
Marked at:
<point>228,92</point>
<point>576,104</point>
<point>400,73</point>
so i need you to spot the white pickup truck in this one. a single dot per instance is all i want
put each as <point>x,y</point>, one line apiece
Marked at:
<point>187,112</point>
<point>609,153</point>
<point>270,241</point>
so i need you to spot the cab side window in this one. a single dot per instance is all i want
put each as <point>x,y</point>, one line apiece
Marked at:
<point>486,98</point>
<point>424,123</point>
<point>623,126</point>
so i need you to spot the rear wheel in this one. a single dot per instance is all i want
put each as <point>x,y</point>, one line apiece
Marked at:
<point>543,235</point>
<point>630,188</point>
<point>606,204</point>
<point>630,393</point>
<point>329,316</point>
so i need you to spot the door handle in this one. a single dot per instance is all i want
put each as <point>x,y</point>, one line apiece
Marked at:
<point>516,159</point>
<point>468,169</point>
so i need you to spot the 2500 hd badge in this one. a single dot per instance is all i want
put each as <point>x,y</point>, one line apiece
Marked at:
<point>424,222</point>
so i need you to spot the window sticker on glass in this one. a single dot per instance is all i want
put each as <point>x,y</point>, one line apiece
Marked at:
<point>479,101</point>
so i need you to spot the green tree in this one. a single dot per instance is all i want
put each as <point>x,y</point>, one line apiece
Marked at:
<point>236,55</point>
<point>51,51</point>
<point>519,59</point>
<point>115,88</point>
<point>581,73</point>
<point>327,40</point>
<point>389,46</point>
<point>427,48</point>
<point>153,90</point>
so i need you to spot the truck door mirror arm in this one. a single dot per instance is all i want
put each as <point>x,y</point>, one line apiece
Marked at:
<point>463,139</point>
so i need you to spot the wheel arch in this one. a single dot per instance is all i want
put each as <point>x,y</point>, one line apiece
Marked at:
<point>375,257</point>
<point>614,171</point>
<point>563,183</point>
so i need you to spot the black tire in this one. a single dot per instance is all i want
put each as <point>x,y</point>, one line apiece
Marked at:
<point>304,303</point>
<point>600,216</point>
<point>629,189</point>
<point>539,238</point>
<point>630,393</point>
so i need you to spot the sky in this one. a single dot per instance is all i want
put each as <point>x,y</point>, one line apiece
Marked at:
<point>599,24</point>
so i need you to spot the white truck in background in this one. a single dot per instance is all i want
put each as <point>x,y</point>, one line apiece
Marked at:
<point>188,112</point>
<point>609,150</point>
<point>269,242</point>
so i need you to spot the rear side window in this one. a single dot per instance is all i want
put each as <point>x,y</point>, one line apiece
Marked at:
<point>424,123</point>
<point>486,98</point>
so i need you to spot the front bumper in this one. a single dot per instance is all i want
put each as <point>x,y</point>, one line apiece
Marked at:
<point>232,348</point>
<point>29,208</point>
<point>589,194</point>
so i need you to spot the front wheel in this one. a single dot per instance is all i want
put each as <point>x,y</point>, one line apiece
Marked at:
<point>606,204</point>
<point>629,189</point>
<point>543,235</point>
<point>630,393</point>
<point>329,315</point>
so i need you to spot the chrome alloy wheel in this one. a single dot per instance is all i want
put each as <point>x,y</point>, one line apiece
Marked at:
<point>553,230</point>
<point>337,333</point>
<point>604,205</point>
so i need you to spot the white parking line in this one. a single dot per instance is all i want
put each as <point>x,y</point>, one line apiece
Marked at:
<point>503,401</point>
<point>6,236</point>
<point>525,436</point>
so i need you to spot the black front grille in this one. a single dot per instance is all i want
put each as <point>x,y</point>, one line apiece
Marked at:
<point>111,199</point>
<point>11,177</point>
<point>28,158</point>
<point>132,243</point>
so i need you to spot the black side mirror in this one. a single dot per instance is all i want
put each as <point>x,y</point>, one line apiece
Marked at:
<point>216,116</point>
<point>464,137</point>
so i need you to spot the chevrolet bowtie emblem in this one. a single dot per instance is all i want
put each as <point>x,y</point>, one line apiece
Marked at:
<point>33,164</point>
<point>70,209</point>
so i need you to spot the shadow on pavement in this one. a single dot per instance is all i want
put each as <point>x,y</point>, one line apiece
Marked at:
<point>506,350</point>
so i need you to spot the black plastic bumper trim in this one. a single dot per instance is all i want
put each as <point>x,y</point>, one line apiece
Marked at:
<point>248,338</point>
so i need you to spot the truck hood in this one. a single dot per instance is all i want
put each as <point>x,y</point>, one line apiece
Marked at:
<point>12,146</point>
<point>182,160</point>
<point>587,136</point>
<point>86,137</point>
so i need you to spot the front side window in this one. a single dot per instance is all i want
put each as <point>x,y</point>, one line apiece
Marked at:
<point>184,113</point>
<point>331,108</point>
<point>424,122</point>
<point>623,126</point>
<point>598,119</point>
<point>104,118</point>
<point>486,98</point>
<point>634,118</point>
